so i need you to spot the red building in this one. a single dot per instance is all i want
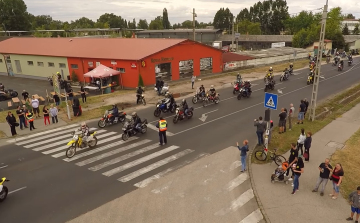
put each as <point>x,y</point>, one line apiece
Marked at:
<point>170,59</point>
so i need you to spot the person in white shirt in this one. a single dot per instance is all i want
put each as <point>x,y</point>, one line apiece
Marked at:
<point>300,141</point>
<point>291,115</point>
<point>35,105</point>
<point>193,78</point>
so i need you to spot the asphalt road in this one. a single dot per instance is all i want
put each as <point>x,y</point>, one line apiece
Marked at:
<point>57,190</point>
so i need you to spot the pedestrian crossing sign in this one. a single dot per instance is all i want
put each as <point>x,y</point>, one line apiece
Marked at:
<point>271,101</point>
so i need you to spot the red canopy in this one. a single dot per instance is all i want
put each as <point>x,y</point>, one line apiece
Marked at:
<point>101,71</point>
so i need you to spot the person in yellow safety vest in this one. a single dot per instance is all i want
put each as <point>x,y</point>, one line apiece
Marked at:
<point>162,125</point>
<point>30,118</point>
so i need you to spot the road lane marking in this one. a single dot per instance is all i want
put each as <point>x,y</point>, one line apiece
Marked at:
<point>254,217</point>
<point>149,180</point>
<point>99,149</point>
<point>113,152</point>
<point>153,127</point>
<point>16,190</point>
<point>139,161</point>
<point>239,202</point>
<point>261,103</point>
<point>1,167</point>
<point>154,166</point>
<point>42,133</point>
<point>66,146</point>
<point>50,140</point>
<point>236,182</point>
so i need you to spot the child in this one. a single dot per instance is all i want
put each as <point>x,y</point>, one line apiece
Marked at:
<point>30,118</point>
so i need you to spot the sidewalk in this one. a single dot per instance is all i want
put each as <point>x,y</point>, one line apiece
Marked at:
<point>305,206</point>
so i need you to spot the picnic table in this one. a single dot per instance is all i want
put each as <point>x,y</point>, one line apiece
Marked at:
<point>16,100</point>
<point>36,96</point>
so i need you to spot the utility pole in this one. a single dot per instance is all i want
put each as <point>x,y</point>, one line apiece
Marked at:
<point>237,39</point>
<point>318,65</point>
<point>194,16</point>
<point>232,34</point>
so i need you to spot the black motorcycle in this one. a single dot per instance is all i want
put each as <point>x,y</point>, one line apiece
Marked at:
<point>180,114</point>
<point>244,93</point>
<point>110,119</point>
<point>350,62</point>
<point>284,76</point>
<point>269,85</point>
<point>10,93</point>
<point>197,97</point>
<point>128,129</point>
<point>141,99</point>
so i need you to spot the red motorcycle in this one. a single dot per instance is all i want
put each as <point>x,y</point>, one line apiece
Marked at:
<point>180,114</point>
<point>237,87</point>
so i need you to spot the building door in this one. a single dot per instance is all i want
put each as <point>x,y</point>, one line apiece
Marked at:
<point>18,66</point>
<point>9,68</point>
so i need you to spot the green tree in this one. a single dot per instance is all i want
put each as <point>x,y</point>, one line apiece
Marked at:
<point>156,24</point>
<point>303,20</point>
<point>140,82</point>
<point>14,15</point>
<point>356,30</point>
<point>74,76</point>
<point>271,14</point>
<point>300,39</point>
<point>112,20</point>
<point>142,24</point>
<point>83,23</point>
<point>345,30</point>
<point>223,19</point>
<point>165,20</point>
<point>247,27</point>
<point>187,24</point>
<point>349,16</point>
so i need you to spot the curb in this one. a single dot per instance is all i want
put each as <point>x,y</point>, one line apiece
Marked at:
<point>258,201</point>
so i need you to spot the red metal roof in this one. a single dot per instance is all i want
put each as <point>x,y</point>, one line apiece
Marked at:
<point>229,57</point>
<point>104,48</point>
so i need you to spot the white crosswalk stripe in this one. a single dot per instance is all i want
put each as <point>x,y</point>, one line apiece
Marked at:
<point>111,154</point>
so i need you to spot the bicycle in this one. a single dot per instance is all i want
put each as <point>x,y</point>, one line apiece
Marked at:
<point>262,156</point>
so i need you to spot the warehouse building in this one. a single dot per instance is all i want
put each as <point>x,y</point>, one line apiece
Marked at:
<point>170,59</point>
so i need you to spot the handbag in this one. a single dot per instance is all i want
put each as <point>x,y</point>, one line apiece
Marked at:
<point>306,155</point>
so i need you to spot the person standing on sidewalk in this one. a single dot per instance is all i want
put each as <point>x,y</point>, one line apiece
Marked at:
<point>11,120</point>
<point>25,94</point>
<point>35,106</point>
<point>56,99</point>
<point>291,115</point>
<point>282,121</point>
<point>162,125</point>
<point>298,169</point>
<point>293,158</point>
<point>193,78</point>
<point>21,114</point>
<point>307,145</point>
<point>53,112</point>
<point>336,178</point>
<point>301,140</point>
<point>46,114</point>
<point>244,149</point>
<point>354,199</point>
<point>301,114</point>
<point>260,129</point>
<point>306,106</point>
<point>30,118</point>
<point>325,169</point>
<point>83,94</point>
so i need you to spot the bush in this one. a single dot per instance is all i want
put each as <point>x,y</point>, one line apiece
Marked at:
<point>74,77</point>
<point>141,82</point>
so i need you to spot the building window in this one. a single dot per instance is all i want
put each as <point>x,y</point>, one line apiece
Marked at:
<point>8,61</point>
<point>74,66</point>
<point>40,64</point>
<point>30,63</point>
<point>62,65</point>
<point>122,70</point>
<point>0,60</point>
<point>50,64</point>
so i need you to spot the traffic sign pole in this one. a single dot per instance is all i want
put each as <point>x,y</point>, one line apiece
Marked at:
<point>270,102</point>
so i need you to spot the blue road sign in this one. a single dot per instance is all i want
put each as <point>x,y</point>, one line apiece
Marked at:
<point>271,101</point>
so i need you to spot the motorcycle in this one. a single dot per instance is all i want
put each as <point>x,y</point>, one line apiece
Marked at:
<point>208,99</point>
<point>237,87</point>
<point>162,107</point>
<point>350,62</point>
<point>284,76</point>
<point>197,97</point>
<point>269,85</point>
<point>129,131</point>
<point>244,94</point>
<point>327,59</point>
<point>109,119</point>
<point>163,90</point>
<point>180,114</point>
<point>340,67</point>
<point>291,71</point>
<point>310,79</point>
<point>77,142</point>
<point>3,189</point>
<point>11,93</point>
<point>50,81</point>
<point>142,99</point>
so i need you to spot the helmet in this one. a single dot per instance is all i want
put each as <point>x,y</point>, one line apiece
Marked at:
<point>83,124</point>
<point>134,114</point>
<point>114,105</point>
<point>270,68</point>
<point>57,72</point>
<point>167,94</point>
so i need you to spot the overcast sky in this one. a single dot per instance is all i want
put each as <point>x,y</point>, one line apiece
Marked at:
<point>179,10</point>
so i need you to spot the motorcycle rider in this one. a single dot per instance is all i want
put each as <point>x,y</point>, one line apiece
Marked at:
<point>85,131</point>
<point>341,63</point>
<point>202,90</point>
<point>350,57</point>
<point>238,78</point>
<point>168,100</point>
<point>271,70</point>
<point>136,122</point>
<point>247,87</point>
<point>139,92</point>
<point>184,107</point>
<point>286,73</point>
<point>212,91</point>
<point>115,113</point>
<point>291,67</point>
